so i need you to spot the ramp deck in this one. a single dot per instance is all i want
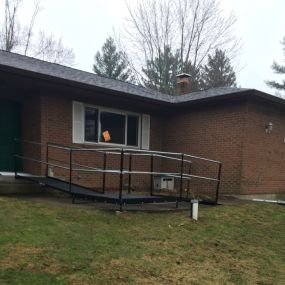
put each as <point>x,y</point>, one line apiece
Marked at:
<point>109,197</point>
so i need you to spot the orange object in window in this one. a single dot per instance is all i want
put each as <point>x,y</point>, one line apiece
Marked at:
<point>106,136</point>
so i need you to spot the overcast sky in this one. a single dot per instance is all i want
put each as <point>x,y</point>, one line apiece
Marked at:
<point>84,25</point>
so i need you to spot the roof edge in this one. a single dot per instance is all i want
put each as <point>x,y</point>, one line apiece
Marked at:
<point>35,68</point>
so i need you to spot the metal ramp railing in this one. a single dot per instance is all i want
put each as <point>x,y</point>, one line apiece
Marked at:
<point>65,160</point>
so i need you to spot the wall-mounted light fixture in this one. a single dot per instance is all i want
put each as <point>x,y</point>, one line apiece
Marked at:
<point>269,128</point>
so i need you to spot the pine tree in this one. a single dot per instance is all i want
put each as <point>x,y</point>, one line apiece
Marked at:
<point>278,69</point>
<point>218,72</point>
<point>195,79</point>
<point>112,63</point>
<point>160,73</point>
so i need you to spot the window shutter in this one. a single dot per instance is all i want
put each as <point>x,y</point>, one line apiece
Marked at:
<point>78,123</point>
<point>145,131</point>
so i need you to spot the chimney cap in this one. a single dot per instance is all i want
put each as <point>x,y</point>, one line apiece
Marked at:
<point>183,75</point>
<point>183,85</point>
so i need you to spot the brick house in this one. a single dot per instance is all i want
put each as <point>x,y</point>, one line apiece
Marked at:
<point>45,102</point>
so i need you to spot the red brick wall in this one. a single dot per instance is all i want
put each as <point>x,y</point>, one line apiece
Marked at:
<point>56,127</point>
<point>31,131</point>
<point>213,132</point>
<point>263,168</point>
<point>234,133</point>
<point>253,161</point>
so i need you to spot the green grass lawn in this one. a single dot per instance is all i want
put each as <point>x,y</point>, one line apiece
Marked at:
<point>47,244</point>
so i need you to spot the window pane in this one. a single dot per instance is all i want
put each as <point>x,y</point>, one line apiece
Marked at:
<point>133,130</point>
<point>114,125</point>
<point>91,125</point>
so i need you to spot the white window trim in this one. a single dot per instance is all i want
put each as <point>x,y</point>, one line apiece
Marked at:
<point>145,132</point>
<point>118,112</point>
<point>77,133</point>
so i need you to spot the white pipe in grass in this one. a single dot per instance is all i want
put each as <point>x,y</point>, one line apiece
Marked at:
<point>270,201</point>
<point>195,206</point>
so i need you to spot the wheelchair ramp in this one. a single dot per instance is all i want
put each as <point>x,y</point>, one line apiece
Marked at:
<point>62,167</point>
<point>80,192</point>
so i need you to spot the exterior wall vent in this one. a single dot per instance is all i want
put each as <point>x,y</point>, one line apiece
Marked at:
<point>163,182</point>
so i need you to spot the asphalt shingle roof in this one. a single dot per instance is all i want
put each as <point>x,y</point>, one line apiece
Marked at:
<point>56,71</point>
<point>208,94</point>
<point>30,64</point>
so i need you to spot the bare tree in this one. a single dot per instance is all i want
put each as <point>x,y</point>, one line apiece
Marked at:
<point>17,37</point>
<point>194,29</point>
<point>10,29</point>
<point>29,29</point>
<point>202,29</point>
<point>50,49</point>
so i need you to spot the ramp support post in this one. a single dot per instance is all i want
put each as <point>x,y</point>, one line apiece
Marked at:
<point>188,181</point>
<point>181,176</point>
<point>218,182</point>
<point>151,175</point>
<point>104,173</point>
<point>47,156</point>
<point>70,170</point>
<point>121,180</point>
<point>15,158</point>
<point>130,174</point>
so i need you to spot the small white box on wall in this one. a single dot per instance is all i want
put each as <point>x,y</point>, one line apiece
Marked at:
<point>162,182</point>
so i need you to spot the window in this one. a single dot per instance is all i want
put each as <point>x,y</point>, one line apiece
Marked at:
<point>133,130</point>
<point>114,125</point>
<point>105,126</point>
<point>101,125</point>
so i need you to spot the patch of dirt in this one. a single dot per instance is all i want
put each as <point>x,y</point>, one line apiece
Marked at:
<point>230,200</point>
<point>17,254</point>
<point>32,258</point>
<point>171,269</point>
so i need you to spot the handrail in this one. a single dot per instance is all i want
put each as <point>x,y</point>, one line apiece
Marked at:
<point>131,150</point>
<point>202,158</point>
<point>122,152</point>
<point>95,169</point>
<point>59,146</point>
<point>200,177</point>
<point>149,154</point>
<point>127,151</point>
<point>41,161</point>
<point>27,141</point>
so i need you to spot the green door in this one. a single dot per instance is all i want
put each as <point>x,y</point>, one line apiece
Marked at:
<point>10,128</point>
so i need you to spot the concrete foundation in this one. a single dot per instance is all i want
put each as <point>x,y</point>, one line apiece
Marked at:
<point>10,185</point>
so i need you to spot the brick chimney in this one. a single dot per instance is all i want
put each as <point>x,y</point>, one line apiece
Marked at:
<point>183,85</point>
